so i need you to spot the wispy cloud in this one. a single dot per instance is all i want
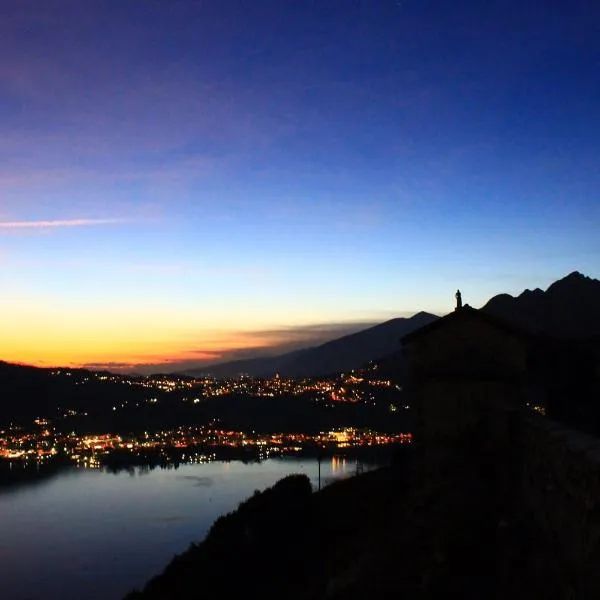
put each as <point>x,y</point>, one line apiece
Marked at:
<point>256,344</point>
<point>57,223</point>
<point>104,366</point>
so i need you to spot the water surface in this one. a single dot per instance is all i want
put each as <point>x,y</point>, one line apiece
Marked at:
<point>94,534</point>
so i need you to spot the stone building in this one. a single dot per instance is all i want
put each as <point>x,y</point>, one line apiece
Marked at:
<point>466,374</point>
<point>469,379</point>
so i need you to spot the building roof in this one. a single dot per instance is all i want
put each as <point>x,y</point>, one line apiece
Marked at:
<point>465,313</point>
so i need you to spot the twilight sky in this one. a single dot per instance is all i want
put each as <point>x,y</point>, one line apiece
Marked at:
<point>189,181</point>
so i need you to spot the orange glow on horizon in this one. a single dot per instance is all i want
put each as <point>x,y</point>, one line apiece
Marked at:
<point>51,332</point>
<point>47,353</point>
<point>110,346</point>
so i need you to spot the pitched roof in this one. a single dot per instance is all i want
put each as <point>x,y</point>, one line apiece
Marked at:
<point>466,312</point>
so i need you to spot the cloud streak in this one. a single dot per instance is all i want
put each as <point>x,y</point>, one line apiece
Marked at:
<point>250,344</point>
<point>56,223</point>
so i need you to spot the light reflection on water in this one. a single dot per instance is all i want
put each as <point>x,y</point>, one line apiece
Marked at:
<point>95,535</point>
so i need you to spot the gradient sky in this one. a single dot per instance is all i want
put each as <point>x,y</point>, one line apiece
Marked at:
<point>188,181</point>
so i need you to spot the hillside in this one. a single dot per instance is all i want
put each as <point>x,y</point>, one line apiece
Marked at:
<point>339,355</point>
<point>83,401</point>
<point>372,536</point>
<point>29,392</point>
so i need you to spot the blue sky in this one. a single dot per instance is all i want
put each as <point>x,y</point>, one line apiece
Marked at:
<point>191,180</point>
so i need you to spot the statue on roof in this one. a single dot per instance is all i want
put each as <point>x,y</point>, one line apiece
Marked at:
<point>458,300</point>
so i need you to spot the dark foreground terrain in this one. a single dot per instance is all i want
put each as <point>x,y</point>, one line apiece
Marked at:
<point>376,535</point>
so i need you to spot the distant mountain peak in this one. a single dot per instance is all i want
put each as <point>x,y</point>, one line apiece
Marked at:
<point>575,275</point>
<point>568,307</point>
<point>574,280</point>
<point>422,314</point>
<point>529,293</point>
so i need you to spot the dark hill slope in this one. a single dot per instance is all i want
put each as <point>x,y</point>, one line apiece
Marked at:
<point>371,536</point>
<point>263,366</point>
<point>342,354</point>
<point>354,350</point>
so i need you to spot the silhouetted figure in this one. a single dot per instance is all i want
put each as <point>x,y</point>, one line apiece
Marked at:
<point>458,300</point>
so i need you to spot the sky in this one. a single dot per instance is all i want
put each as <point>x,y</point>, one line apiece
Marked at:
<point>186,182</point>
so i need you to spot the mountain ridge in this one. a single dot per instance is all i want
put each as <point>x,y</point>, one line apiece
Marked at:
<point>569,307</point>
<point>338,355</point>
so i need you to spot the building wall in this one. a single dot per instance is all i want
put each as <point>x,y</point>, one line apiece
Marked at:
<point>560,480</point>
<point>466,341</point>
<point>462,376</point>
<point>467,384</point>
<point>449,412</point>
<point>536,466</point>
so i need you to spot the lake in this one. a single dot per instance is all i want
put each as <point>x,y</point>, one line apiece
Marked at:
<point>89,533</point>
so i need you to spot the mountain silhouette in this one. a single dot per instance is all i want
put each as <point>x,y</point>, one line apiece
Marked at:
<point>570,308</point>
<point>339,355</point>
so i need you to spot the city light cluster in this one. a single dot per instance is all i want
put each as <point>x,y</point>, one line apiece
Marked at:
<point>90,449</point>
<point>353,387</point>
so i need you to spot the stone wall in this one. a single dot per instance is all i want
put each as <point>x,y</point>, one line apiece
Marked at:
<point>560,481</point>
<point>469,344</point>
